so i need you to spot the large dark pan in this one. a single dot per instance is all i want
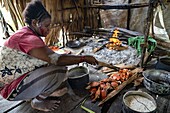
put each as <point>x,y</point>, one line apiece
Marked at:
<point>157,81</point>
<point>74,44</point>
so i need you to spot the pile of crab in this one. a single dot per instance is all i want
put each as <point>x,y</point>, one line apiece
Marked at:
<point>100,89</point>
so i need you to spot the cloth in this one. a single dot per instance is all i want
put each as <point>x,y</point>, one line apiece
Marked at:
<point>137,41</point>
<point>14,68</point>
<point>43,81</point>
<point>9,91</point>
<point>24,40</point>
<point>14,63</point>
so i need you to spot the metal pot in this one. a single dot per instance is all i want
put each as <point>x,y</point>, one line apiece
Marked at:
<point>157,81</point>
<point>163,64</point>
<point>138,102</point>
<point>78,77</point>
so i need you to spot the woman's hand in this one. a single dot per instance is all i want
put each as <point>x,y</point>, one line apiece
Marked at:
<point>90,59</point>
<point>65,60</point>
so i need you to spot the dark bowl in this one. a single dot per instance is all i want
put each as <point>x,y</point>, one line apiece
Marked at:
<point>78,77</point>
<point>74,44</point>
<point>157,81</point>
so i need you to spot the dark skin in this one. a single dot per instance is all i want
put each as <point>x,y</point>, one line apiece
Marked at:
<point>43,28</point>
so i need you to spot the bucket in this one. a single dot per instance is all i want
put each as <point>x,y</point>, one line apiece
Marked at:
<point>78,77</point>
<point>138,102</point>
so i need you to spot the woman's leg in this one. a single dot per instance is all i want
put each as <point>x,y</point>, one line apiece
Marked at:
<point>43,81</point>
<point>40,84</point>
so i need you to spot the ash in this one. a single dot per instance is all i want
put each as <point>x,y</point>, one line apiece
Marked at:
<point>128,56</point>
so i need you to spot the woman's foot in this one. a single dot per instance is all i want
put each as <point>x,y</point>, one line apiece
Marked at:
<point>45,104</point>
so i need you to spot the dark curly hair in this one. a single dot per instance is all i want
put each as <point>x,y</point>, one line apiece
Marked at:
<point>35,10</point>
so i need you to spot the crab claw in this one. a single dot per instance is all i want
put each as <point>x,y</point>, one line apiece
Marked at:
<point>103,94</point>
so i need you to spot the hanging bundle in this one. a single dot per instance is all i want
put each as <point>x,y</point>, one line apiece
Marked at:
<point>137,41</point>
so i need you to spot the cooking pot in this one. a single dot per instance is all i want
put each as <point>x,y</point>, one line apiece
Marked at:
<point>138,102</point>
<point>157,81</point>
<point>78,77</point>
<point>163,64</point>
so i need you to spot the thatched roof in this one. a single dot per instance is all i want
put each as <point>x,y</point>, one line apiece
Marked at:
<point>15,7</point>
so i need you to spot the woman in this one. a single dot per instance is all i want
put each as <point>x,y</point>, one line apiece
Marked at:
<point>41,82</point>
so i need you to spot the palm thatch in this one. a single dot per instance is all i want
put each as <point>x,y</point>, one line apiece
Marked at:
<point>68,14</point>
<point>15,8</point>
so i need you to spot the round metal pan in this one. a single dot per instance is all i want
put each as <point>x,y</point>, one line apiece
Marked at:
<point>74,44</point>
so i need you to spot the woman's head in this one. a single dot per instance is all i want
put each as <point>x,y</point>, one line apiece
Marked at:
<point>36,16</point>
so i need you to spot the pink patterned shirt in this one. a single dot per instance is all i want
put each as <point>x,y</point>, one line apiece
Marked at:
<point>24,40</point>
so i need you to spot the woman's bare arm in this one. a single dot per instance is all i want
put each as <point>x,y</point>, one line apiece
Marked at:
<point>41,53</point>
<point>44,52</point>
<point>72,59</point>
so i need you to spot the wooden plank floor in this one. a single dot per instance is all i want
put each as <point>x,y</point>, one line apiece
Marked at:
<point>4,104</point>
<point>66,105</point>
<point>70,105</point>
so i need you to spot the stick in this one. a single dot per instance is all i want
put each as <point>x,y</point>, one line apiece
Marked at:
<point>79,52</point>
<point>99,48</point>
<point>107,65</point>
<point>129,66</point>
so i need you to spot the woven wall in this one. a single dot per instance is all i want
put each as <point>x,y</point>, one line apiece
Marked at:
<point>71,15</point>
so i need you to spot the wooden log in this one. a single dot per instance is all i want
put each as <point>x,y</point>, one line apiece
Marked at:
<point>162,43</point>
<point>122,6</point>
<point>105,7</point>
<point>129,32</point>
<point>120,87</point>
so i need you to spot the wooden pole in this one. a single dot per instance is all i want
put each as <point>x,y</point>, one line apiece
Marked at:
<point>147,29</point>
<point>62,24</point>
<point>129,15</point>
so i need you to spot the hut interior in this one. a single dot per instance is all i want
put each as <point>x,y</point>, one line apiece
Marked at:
<point>142,32</point>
